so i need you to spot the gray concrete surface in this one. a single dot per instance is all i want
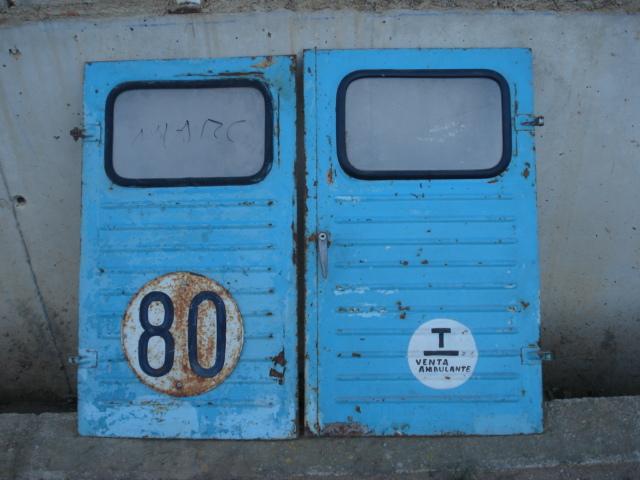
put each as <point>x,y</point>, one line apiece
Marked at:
<point>586,68</point>
<point>596,438</point>
<point>21,10</point>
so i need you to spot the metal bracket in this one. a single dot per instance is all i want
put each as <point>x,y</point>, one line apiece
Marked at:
<point>92,132</point>
<point>85,358</point>
<point>532,355</point>
<point>528,121</point>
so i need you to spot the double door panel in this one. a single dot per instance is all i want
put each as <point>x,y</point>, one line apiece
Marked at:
<point>421,279</point>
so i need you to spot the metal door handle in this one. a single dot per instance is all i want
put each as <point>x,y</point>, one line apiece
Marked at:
<point>323,253</point>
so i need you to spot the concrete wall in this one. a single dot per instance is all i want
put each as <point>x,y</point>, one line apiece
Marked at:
<point>587,69</point>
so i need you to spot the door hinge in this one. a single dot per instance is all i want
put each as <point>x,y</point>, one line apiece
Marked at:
<point>532,354</point>
<point>528,121</point>
<point>85,358</point>
<point>92,132</point>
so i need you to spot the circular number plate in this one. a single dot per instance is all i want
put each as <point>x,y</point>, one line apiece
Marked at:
<point>182,334</point>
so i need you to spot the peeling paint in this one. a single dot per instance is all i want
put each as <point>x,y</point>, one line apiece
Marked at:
<point>266,63</point>
<point>330,176</point>
<point>346,429</point>
<point>276,374</point>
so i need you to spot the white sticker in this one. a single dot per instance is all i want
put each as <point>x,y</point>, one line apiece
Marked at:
<point>442,353</point>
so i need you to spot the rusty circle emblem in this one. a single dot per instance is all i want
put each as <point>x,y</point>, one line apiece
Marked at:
<point>182,334</point>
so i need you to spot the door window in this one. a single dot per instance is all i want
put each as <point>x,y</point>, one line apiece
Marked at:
<point>423,124</point>
<point>193,133</point>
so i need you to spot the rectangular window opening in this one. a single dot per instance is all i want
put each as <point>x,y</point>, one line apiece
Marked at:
<point>215,132</point>
<point>423,124</point>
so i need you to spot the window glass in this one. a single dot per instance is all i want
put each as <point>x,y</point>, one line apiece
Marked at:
<point>423,124</point>
<point>189,133</point>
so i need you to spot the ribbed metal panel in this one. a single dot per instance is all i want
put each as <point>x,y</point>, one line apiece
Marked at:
<point>240,236</point>
<point>403,252</point>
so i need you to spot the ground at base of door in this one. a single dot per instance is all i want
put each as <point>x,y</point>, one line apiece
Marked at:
<point>588,438</point>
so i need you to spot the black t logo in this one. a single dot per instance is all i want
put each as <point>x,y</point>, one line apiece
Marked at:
<point>441,352</point>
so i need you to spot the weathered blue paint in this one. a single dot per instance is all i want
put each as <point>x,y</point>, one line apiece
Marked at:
<point>241,236</point>
<point>406,251</point>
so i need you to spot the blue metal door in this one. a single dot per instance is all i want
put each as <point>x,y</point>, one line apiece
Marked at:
<point>422,301</point>
<point>187,283</point>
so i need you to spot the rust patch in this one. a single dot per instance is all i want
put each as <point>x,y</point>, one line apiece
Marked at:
<point>294,250</point>
<point>279,359</point>
<point>524,304</point>
<point>345,429</point>
<point>181,380</point>
<point>77,133</point>
<point>330,177</point>
<point>278,375</point>
<point>525,172</point>
<point>402,309</point>
<point>267,62</point>
<point>313,238</point>
<point>15,53</point>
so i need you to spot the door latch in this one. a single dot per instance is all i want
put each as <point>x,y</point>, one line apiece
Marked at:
<point>532,355</point>
<point>323,253</point>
